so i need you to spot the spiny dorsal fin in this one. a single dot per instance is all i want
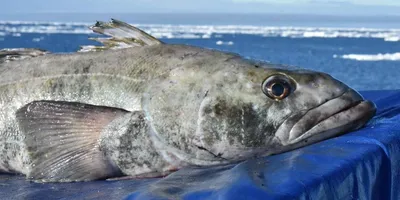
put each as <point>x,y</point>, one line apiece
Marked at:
<point>8,55</point>
<point>122,35</point>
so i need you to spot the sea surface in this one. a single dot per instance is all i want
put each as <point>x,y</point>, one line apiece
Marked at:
<point>362,52</point>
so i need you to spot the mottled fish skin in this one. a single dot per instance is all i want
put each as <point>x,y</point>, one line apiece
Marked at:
<point>113,78</point>
<point>189,105</point>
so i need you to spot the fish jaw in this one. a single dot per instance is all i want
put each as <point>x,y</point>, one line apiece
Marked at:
<point>344,113</point>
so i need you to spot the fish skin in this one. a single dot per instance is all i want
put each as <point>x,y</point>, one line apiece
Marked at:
<point>119,77</point>
<point>112,78</point>
<point>200,106</point>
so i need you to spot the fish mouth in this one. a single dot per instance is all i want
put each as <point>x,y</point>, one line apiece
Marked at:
<point>348,112</point>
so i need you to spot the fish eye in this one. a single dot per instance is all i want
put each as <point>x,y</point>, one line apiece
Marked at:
<point>277,87</point>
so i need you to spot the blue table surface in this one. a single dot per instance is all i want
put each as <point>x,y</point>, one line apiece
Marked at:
<point>360,165</point>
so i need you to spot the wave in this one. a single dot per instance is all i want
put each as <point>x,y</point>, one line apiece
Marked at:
<point>38,39</point>
<point>371,57</point>
<point>219,42</point>
<point>393,39</point>
<point>206,31</point>
<point>16,35</point>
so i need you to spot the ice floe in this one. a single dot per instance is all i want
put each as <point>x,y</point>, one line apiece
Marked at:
<point>371,57</point>
<point>206,31</point>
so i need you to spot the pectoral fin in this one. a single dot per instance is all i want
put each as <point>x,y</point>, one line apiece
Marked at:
<point>63,140</point>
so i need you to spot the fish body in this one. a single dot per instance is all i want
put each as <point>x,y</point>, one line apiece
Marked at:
<point>149,110</point>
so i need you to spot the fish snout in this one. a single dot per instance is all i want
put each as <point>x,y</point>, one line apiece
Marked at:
<point>344,113</point>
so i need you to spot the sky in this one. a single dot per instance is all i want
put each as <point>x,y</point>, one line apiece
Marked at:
<point>329,7</point>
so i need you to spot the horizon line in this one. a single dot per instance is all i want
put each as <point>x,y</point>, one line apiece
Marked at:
<point>206,13</point>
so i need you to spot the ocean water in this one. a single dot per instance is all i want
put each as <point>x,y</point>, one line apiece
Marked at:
<point>363,53</point>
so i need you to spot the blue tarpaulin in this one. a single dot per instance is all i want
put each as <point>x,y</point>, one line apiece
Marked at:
<point>360,165</point>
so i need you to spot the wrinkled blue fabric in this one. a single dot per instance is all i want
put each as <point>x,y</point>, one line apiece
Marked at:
<point>360,165</point>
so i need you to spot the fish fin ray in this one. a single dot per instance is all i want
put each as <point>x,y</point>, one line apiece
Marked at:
<point>8,55</point>
<point>62,139</point>
<point>121,35</point>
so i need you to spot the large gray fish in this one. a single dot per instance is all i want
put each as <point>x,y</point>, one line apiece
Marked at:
<point>148,110</point>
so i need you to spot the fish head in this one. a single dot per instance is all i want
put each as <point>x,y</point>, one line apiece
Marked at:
<point>233,113</point>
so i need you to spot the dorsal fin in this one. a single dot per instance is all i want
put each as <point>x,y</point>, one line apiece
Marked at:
<point>121,35</point>
<point>7,55</point>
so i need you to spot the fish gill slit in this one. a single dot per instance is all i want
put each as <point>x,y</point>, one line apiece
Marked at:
<point>242,128</point>
<point>200,116</point>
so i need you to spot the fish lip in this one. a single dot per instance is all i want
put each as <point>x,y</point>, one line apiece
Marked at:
<point>367,108</point>
<point>352,116</point>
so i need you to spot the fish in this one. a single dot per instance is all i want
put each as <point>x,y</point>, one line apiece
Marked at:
<point>137,107</point>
